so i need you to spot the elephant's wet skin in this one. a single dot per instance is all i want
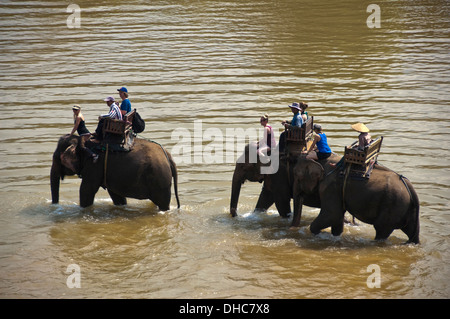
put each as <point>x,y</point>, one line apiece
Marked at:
<point>277,188</point>
<point>145,172</point>
<point>387,201</point>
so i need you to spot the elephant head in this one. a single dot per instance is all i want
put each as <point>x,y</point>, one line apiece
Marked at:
<point>66,161</point>
<point>307,176</point>
<point>244,170</point>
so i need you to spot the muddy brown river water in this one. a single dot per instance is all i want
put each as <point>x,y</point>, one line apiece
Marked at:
<point>194,70</point>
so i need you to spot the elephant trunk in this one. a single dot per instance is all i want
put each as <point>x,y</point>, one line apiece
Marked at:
<point>236,184</point>
<point>298,205</point>
<point>55,176</point>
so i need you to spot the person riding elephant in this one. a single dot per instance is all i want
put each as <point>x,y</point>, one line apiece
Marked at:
<point>277,187</point>
<point>79,126</point>
<point>147,175</point>
<point>320,140</point>
<point>386,200</point>
<point>125,106</point>
<point>297,121</point>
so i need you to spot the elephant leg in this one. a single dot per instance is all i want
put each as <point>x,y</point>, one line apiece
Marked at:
<point>337,226</point>
<point>88,189</point>
<point>384,225</point>
<point>283,204</point>
<point>411,231</point>
<point>298,205</point>
<point>329,217</point>
<point>117,199</point>
<point>161,198</point>
<point>320,222</point>
<point>383,232</point>
<point>265,200</point>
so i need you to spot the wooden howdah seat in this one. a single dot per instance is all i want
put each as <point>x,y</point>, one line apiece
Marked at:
<point>363,159</point>
<point>298,138</point>
<point>119,127</point>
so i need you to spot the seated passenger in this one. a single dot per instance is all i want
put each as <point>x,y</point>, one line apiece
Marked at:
<point>297,121</point>
<point>364,137</point>
<point>320,139</point>
<point>125,106</point>
<point>80,126</point>
<point>268,141</point>
<point>303,107</point>
<point>79,123</point>
<point>114,113</point>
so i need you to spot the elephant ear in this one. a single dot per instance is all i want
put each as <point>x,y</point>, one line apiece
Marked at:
<point>315,171</point>
<point>69,158</point>
<point>311,175</point>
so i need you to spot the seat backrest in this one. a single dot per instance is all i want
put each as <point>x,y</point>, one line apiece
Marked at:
<point>120,127</point>
<point>129,116</point>
<point>299,134</point>
<point>362,157</point>
<point>309,126</point>
<point>295,134</point>
<point>113,126</point>
<point>373,148</point>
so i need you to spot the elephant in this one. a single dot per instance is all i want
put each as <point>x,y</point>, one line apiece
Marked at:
<point>144,172</point>
<point>277,187</point>
<point>386,200</point>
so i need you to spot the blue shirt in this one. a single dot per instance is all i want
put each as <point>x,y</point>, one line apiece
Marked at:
<point>322,145</point>
<point>126,105</point>
<point>297,120</point>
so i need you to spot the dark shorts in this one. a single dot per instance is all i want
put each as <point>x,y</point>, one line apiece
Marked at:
<point>322,156</point>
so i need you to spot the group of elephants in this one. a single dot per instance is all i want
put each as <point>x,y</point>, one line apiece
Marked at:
<point>386,200</point>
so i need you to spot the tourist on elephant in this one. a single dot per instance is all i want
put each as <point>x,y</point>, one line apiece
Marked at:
<point>268,141</point>
<point>114,113</point>
<point>79,124</point>
<point>320,140</point>
<point>80,127</point>
<point>303,107</point>
<point>125,106</point>
<point>297,121</point>
<point>364,137</point>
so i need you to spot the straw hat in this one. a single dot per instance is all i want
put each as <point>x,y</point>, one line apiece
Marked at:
<point>360,127</point>
<point>76,107</point>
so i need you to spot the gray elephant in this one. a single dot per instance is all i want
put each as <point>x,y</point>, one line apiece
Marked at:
<point>386,200</point>
<point>277,187</point>
<point>145,172</point>
<point>248,170</point>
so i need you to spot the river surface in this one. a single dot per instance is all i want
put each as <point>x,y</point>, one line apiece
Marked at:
<point>198,71</point>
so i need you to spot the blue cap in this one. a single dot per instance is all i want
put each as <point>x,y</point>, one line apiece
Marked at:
<point>123,89</point>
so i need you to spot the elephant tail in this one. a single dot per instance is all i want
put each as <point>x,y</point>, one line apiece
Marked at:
<point>173,167</point>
